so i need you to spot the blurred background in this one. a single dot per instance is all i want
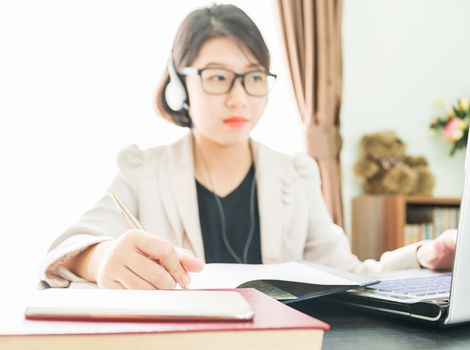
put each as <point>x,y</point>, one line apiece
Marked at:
<point>77,82</point>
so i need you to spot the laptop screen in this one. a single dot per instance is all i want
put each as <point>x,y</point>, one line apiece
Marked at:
<point>459,309</point>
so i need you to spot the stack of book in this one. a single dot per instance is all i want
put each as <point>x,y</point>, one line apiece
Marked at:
<point>429,222</point>
<point>274,326</point>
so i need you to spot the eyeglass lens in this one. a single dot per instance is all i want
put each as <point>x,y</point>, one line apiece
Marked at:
<point>220,81</point>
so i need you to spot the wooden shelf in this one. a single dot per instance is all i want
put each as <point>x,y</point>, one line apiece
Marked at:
<point>378,222</point>
<point>450,201</point>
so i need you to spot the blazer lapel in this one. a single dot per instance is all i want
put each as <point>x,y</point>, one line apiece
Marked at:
<point>183,189</point>
<point>274,201</point>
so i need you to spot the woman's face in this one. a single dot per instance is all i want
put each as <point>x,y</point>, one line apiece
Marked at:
<point>229,118</point>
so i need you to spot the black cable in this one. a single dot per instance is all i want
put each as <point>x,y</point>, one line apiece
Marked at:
<point>222,214</point>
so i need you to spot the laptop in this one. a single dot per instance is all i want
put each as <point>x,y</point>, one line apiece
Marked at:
<point>423,295</point>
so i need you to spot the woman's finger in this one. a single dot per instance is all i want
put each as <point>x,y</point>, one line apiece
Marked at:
<point>150,271</point>
<point>427,254</point>
<point>435,255</point>
<point>449,238</point>
<point>112,284</point>
<point>132,281</point>
<point>165,253</point>
<point>189,261</point>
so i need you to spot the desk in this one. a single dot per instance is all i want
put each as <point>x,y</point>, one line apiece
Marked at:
<point>357,329</point>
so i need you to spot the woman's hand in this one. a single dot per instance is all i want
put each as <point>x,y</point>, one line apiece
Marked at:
<point>439,253</point>
<point>139,260</point>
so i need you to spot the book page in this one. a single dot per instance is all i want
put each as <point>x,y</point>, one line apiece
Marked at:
<point>233,275</point>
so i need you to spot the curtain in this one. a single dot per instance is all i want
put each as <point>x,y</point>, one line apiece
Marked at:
<point>311,31</point>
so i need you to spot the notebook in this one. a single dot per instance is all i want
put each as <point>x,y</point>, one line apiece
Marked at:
<point>288,282</point>
<point>274,326</point>
<point>423,295</point>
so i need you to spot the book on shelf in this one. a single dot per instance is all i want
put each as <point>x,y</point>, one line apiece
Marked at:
<point>274,326</point>
<point>427,222</point>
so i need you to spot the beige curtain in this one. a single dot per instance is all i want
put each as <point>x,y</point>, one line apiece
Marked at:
<point>311,32</point>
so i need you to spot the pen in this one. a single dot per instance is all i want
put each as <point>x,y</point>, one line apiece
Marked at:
<point>126,213</point>
<point>130,218</point>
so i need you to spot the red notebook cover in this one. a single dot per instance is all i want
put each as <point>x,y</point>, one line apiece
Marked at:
<point>269,315</point>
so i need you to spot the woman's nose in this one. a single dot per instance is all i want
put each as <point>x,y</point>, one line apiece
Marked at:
<point>237,96</point>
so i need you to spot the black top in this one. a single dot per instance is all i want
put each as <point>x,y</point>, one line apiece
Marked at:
<point>238,222</point>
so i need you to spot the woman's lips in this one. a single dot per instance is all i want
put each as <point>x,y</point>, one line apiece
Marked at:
<point>235,121</point>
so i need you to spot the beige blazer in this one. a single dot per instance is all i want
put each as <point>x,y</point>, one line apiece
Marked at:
<point>158,185</point>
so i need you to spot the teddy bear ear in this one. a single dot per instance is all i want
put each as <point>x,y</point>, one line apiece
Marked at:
<point>364,144</point>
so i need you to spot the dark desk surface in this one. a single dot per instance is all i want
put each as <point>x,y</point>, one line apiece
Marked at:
<point>357,329</point>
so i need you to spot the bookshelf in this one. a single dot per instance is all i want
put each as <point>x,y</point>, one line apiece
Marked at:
<point>381,223</point>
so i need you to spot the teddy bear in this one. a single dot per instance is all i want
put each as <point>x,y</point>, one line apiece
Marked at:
<point>385,168</point>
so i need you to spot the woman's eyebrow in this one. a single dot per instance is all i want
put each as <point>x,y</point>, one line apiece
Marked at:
<point>223,65</point>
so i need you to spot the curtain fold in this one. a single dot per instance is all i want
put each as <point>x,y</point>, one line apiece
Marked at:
<point>311,31</point>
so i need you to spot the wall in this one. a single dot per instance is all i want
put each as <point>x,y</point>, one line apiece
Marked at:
<point>77,82</point>
<point>400,57</point>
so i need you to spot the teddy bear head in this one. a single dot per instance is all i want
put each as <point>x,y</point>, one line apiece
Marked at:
<point>385,168</point>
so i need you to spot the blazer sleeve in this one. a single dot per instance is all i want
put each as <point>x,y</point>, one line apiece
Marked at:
<point>103,222</point>
<point>328,244</point>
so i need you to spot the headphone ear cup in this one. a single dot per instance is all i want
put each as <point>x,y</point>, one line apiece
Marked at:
<point>175,92</point>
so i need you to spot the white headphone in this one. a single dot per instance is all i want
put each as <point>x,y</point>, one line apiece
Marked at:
<point>175,92</point>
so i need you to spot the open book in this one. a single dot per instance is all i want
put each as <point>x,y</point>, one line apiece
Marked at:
<point>290,281</point>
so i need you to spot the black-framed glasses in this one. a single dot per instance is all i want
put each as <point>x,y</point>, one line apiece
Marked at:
<point>219,81</point>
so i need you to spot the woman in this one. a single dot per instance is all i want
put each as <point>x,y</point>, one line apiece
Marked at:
<point>216,195</point>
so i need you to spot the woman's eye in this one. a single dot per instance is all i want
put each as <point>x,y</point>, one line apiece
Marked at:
<point>217,78</point>
<point>256,78</point>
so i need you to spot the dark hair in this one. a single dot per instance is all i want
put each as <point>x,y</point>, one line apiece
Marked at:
<point>199,27</point>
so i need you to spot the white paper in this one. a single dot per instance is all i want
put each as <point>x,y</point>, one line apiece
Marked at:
<point>233,275</point>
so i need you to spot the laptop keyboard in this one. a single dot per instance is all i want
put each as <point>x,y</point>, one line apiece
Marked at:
<point>438,284</point>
